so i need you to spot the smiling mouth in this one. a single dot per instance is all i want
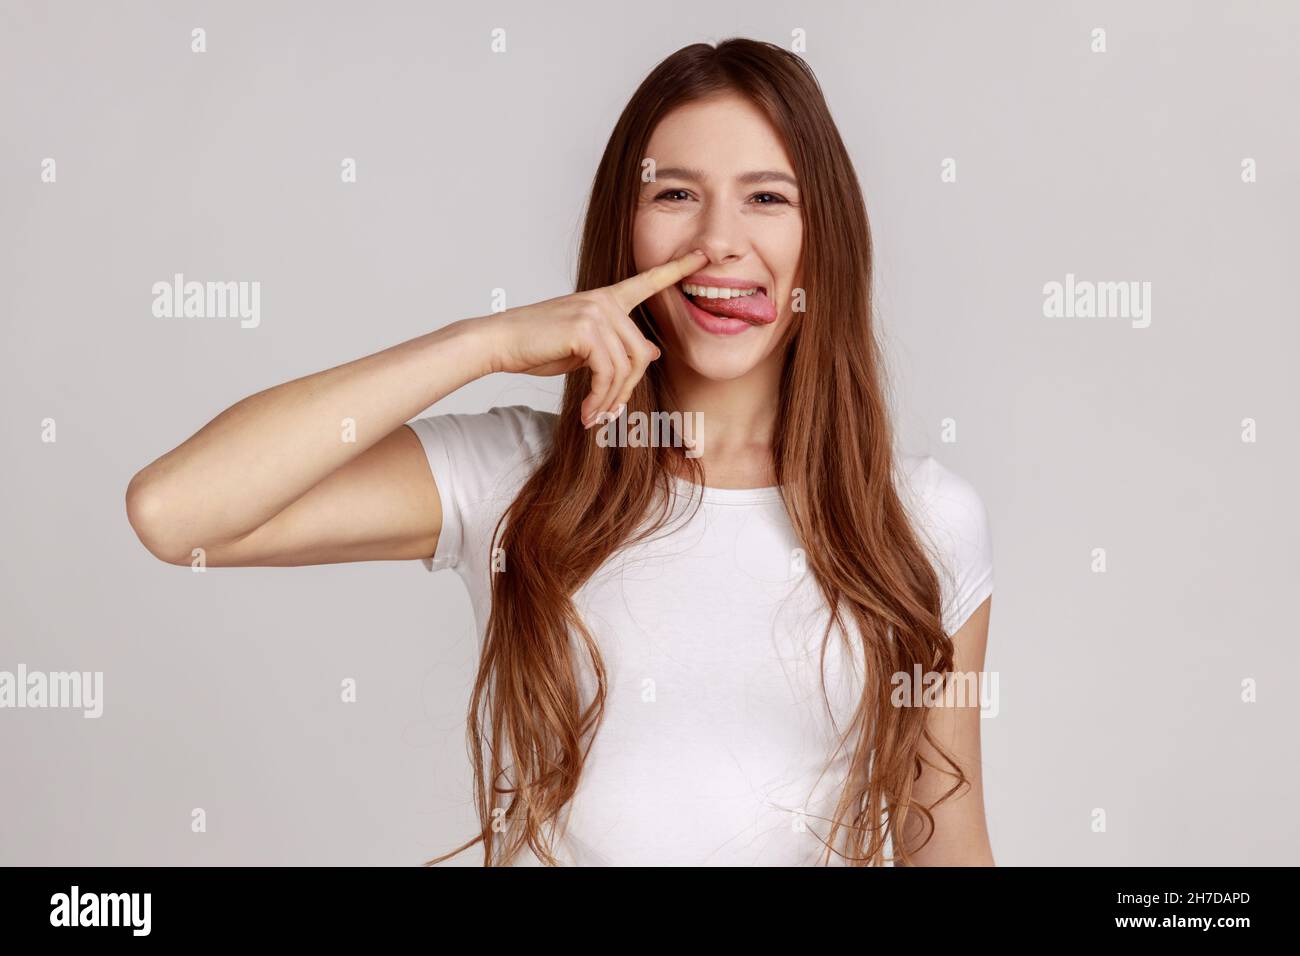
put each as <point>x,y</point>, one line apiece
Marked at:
<point>720,293</point>
<point>728,309</point>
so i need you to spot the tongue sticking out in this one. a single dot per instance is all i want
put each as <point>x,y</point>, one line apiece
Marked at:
<point>756,308</point>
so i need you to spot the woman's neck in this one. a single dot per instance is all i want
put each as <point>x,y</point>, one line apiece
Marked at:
<point>738,421</point>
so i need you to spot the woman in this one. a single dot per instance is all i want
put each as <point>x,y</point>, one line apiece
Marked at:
<point>691,647</point>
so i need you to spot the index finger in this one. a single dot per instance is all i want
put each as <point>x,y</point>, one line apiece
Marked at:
<point>632,292</point>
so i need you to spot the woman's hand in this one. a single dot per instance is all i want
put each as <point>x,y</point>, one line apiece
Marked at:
<point>587,328</point>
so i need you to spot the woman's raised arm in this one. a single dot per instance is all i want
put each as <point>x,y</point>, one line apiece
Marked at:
<point>313,471</point>
<point>320,470</point>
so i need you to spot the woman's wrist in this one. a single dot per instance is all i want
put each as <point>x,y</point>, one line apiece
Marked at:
<point>475,342</point>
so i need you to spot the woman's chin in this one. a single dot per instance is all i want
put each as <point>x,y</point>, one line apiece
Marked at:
<point>723,358</point>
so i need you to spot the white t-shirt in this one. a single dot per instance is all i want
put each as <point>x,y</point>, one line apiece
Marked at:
<point>716,739</point>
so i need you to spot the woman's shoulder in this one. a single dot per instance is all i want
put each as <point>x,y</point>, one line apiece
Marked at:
<point>479,461</point>
<point>949,513</point>
<point>489,438</point>
<point>942,491</point>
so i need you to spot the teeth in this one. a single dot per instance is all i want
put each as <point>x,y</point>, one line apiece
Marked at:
<point>714,292</point>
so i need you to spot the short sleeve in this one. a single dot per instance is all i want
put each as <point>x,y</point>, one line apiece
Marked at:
<point>479,461</point>
<point>956,526</point>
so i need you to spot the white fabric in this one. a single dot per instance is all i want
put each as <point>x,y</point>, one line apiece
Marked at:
<point>716,729</point>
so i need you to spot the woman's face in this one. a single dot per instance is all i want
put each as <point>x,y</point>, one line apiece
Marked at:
<point>724,185</point>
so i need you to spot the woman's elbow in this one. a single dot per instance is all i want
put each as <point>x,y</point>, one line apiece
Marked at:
<point>147,513</point>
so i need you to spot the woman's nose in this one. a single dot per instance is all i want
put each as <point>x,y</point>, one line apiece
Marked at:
<point>720,234</point>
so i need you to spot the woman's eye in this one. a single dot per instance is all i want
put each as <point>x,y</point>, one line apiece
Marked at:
<point>760,199</point>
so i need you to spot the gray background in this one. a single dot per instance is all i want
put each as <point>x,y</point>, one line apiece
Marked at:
<point>1118,690</point>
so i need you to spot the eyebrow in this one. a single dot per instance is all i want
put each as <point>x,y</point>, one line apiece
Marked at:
<point>749,179</point>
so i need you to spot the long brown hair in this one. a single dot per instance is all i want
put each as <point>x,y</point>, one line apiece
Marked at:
<point>834,464</point>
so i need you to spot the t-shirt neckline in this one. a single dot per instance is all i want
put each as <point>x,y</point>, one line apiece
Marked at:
<point>727,496</point>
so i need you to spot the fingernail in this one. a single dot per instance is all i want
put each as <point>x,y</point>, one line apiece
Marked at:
<point>618,412</point>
